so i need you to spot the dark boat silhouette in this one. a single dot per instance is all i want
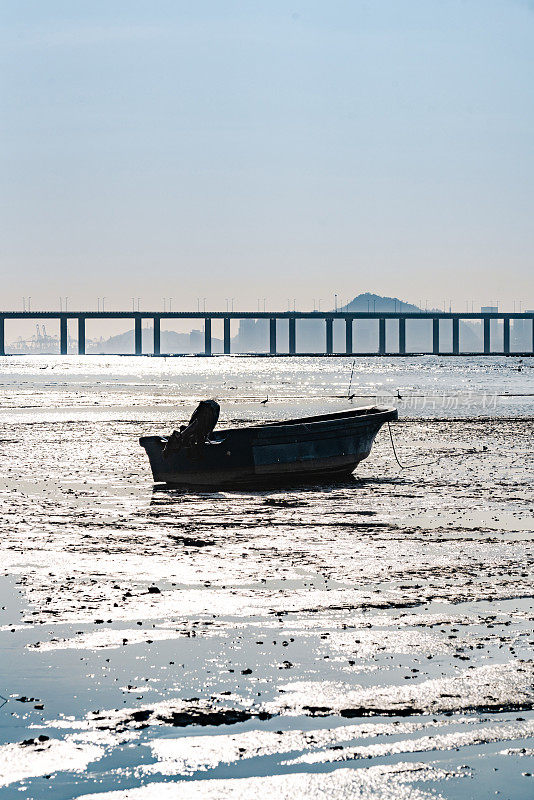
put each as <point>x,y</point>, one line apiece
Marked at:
<point>324,446</point>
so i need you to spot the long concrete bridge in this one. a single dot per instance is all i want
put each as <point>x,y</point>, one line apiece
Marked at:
<point>292,317</point>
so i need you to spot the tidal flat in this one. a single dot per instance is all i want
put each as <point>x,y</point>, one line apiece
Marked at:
<point>371,638</point>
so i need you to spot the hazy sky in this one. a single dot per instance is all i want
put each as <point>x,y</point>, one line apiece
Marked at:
<point>266,150</point>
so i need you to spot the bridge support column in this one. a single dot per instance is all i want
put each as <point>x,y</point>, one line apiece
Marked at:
<point>456,336</point>
<point>506,335</point>
<point>207,336</point>
<point>348,337</point>
<point>227,335</point>
<point>532,336</point>
<point>272,336</point>
<point>382,336</point>
<point>487,336</point>
<point>138,335</point>
<point>157,335</point>
<point>81,336</point>
<point>292,335</point>
<point>329,336</point>
<point>402,335</point>
<point>435,336</point>
<point>2,337</point>
<point>63,336</point>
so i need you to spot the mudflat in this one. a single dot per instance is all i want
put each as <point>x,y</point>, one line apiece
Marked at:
<point>370,638</point>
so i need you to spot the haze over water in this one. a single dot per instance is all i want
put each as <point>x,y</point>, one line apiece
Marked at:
<point>371,638</point>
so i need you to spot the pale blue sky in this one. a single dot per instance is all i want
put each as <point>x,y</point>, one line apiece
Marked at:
<point>266,149</point>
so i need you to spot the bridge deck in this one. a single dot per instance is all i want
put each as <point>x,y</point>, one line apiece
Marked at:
<point>328,317</point>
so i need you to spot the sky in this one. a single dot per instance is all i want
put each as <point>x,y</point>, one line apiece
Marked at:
<point>266,151</point>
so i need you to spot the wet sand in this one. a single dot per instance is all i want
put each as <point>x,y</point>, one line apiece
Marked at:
<point>371,638</point>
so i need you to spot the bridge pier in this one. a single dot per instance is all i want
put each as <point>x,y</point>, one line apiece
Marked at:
<point>292,336</point>
<point>207,336</point>
<point>487,336</point>
<point>2,337</point>
<point>227,337</point>
<point>402,335</point>
<point>329,336</point>
<point>81,336</point>
<point>382,336</point>
<point>63,335</point>
<point>435,336</point>
<point>138,335</point>
<point>157,335</point>
<point>506,335</point>
<point>533,335</point>
<point>456,336</point>
<point>348,337</point>
<point>272,336</point>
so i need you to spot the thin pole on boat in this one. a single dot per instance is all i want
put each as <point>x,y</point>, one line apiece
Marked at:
<point>351,374</point>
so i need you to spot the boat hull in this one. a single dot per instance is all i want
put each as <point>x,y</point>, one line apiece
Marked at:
<point>329,445</point>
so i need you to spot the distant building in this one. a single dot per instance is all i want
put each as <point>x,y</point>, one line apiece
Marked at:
<point>496,332</point>
<point>253,335</point>
<point>521,333</point>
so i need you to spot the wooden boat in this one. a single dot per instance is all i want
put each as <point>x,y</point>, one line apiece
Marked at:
<point>324,446</point>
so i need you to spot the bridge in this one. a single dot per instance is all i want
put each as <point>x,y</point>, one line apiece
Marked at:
<point>292,318</point>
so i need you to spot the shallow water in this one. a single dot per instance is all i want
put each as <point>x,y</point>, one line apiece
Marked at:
<point>370,638</point>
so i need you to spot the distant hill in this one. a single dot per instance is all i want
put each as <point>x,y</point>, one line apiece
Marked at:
<point>171,342</point>
<point>374,302</point>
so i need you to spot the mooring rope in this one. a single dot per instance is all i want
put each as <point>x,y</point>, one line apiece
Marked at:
<point>427,463</point>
